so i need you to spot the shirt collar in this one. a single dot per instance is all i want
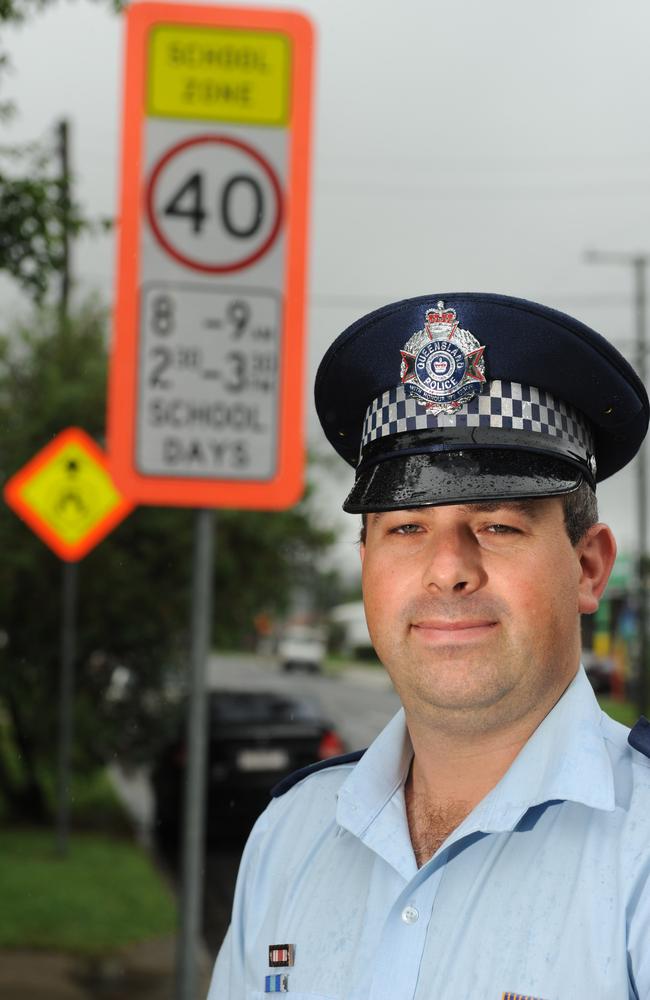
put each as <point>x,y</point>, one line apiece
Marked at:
<point>565,759</point>
<point>379,774</point>
<point>371,802</point>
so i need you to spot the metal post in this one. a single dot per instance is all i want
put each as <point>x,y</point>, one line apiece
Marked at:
<point>640,269</point>
<point>64,205</point>
<point>196,738</point>
<point>68,625</point>
<point>66,697</point>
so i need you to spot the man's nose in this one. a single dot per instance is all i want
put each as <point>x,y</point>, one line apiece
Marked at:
<point>452,562</point>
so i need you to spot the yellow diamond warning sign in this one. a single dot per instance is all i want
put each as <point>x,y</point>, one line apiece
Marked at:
<point>67,496</point>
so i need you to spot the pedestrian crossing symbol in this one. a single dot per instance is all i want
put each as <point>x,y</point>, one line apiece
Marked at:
<point>66,495</point>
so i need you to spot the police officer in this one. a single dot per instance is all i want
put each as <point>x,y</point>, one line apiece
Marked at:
<point>494,840</point>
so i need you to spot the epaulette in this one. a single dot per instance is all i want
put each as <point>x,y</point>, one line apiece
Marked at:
<point>304,772</point>
<point>639,737</point>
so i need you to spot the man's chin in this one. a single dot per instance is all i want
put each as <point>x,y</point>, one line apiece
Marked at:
<point>459,684</point>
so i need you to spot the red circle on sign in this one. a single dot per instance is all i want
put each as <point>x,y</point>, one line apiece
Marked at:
<point>198,265</point>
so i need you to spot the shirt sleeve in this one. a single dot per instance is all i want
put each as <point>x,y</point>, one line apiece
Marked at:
<point>220,985</point>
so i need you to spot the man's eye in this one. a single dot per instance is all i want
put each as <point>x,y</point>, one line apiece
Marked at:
<point>502,529</point>
<point>405,529</point>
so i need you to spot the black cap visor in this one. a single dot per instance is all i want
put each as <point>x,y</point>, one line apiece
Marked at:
<point>470,475</point>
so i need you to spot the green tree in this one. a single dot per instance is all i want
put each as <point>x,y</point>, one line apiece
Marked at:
<point>36,208</point>
<point>36,212</point>
<point>134,588</point>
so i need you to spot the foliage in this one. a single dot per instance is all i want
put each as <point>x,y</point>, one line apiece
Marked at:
<point>269,557</point>
<point>103,896</point>
<point>130,610</point>
<point>17,11</point>
<point>36,208</point>
<point>36,213</point>
<point>94,802</point>
<point>134,588</point>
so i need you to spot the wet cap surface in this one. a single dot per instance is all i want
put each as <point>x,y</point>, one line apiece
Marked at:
<point>495,341</point>
<point>459,477</point>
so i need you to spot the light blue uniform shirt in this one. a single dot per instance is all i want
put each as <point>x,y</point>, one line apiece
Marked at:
<point>543,890</point>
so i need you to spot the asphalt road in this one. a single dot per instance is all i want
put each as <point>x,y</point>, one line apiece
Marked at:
<point>359,702</point>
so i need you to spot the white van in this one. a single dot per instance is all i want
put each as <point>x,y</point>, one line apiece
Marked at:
<point>302,647</point>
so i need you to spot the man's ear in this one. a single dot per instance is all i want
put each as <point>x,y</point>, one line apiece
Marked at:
<point>362,551</point>
<point>596,551</point>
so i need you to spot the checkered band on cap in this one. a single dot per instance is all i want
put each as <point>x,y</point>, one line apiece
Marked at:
<point>504,405</point>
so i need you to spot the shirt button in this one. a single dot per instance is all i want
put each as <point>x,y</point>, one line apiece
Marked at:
<point>409,914</point>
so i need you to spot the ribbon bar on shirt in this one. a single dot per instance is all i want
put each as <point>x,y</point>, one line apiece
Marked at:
<point>518,996</point>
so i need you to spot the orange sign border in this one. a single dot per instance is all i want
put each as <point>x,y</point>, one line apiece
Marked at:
<point>69,552</point>
<point>286,487</point>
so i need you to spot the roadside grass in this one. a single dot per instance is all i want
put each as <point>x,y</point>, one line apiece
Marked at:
<point>104,895</point>
<point>622,711</point>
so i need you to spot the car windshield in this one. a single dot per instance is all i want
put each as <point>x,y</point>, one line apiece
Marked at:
<point>260,706</point>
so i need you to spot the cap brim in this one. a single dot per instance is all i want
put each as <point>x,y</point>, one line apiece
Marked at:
<point>468,476</point>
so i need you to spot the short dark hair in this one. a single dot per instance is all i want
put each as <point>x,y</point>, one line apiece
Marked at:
<point>580,513</point>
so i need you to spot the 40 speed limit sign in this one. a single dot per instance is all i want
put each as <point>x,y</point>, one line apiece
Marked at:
<point>205,395</point>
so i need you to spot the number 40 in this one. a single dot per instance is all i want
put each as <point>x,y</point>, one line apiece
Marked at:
<point>189,203</point>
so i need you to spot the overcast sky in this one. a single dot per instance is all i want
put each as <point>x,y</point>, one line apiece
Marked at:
<point>459,146</point>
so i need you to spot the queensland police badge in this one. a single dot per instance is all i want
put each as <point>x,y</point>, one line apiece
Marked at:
<point>442,365</point>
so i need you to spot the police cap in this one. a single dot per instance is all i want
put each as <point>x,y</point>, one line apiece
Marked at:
<point>454,398</point>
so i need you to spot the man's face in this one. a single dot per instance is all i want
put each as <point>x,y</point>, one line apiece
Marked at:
<point>474,609</point>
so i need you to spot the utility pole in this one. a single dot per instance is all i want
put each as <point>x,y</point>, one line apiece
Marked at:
<point>64,205</point>
<point>69,583</point>
<point>639,263</point>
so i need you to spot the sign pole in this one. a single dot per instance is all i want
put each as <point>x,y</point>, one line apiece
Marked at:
<point>66,696</point>
<point>66,496</point>
<point>193,866</point>
<point>205,394</point>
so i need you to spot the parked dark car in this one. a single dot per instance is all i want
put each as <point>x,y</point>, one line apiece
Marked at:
<point>255,739</point>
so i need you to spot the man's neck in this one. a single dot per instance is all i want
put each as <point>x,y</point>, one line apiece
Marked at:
<point>463,754</point>
<point>447,770</point>
<point>452,771</point>
<point>444,785</point>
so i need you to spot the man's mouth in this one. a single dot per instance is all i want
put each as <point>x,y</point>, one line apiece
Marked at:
<point>463,630</point>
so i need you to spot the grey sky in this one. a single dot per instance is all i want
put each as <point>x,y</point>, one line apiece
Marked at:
<point>459,146</point>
